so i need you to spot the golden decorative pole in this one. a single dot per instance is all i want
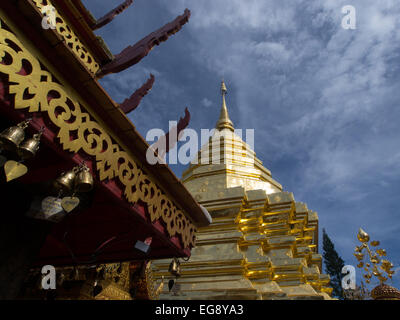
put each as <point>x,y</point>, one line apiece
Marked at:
<point>376,266</point>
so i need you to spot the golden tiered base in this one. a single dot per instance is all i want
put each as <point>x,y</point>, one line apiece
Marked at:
<point>260,247</point>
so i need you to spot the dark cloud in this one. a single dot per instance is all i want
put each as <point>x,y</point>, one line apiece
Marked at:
<point>323,100</point>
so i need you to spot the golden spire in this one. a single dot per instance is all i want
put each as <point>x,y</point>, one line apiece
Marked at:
<point>224,121</point>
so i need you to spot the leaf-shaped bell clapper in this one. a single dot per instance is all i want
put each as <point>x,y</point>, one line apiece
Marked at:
<point>174,267</point>
<point>84,180</point>
<point>11,138</point>
<point>29,147</point>
<point>65,182</point>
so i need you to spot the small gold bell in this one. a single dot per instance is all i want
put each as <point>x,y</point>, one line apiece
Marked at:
<point>13,136</point>
<point>65,182</point>
<point>83,180</point>
<point>29,147</point>
<point>174,267</point>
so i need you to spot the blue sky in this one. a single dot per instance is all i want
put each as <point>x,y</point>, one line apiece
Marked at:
<point>324,101</point>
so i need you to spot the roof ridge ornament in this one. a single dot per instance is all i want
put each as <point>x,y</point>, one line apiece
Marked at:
<point>131,103</point>
<point>224,122</point>
<point>111,15</point>
<point>133,54</point>
<point>182,124</point>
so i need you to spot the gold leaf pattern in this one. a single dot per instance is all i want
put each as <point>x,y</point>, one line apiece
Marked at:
<point>71,39</point>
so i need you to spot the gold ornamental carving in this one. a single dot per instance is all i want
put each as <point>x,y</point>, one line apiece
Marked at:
<point>73,42</point>
<point>145,283</point>
<point>39,91</point>
<point>376,266</point>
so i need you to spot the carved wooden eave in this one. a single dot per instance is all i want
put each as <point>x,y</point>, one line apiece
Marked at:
<point>107,18</point>
<point>165,143</point>
<point>92,106</point>
<point>133,54</point>
<point>182,124</point>
<point>131,103</point>
<point>80,19</point>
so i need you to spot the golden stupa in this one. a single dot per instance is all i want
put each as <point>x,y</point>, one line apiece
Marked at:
<point>262,244</point>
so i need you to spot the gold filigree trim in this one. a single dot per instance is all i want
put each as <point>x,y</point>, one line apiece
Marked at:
<point>37,90</point>
<point>70,38</point>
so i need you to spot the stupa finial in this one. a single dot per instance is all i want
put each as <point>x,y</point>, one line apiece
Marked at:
<point>224,121</point>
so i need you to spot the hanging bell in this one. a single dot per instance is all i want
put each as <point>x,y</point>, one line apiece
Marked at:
<point>13,136</point>
<point>65,182</point>
<point>84,180</point>
<point>29,147</point>
<point>174,267</point>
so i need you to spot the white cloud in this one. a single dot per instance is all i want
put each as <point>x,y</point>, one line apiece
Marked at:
<point>206,102</point>
<point>253,14</point>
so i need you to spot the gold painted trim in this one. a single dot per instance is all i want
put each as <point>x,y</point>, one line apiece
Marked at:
<point>70,38</point>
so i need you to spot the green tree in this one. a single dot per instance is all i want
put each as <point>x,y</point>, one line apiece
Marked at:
<point>333,265</point>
